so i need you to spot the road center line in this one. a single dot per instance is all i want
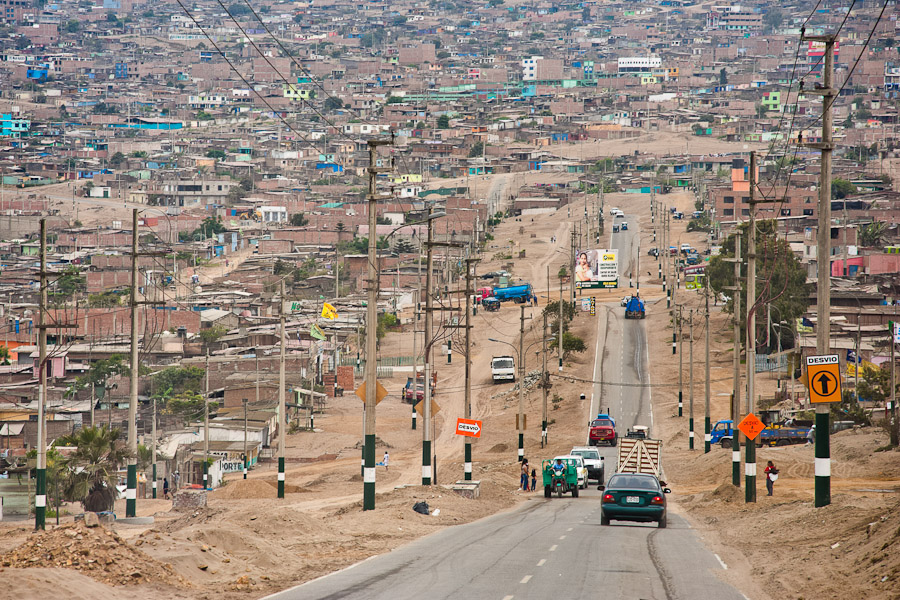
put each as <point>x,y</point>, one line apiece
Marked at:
<point>553,548</point>
<point>569,529</point>
<point>525,579</point>
<point>562,537</point>
<point>508,597</point>
<point>541,562</point>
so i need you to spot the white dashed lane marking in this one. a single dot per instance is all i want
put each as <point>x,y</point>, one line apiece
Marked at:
<point>553,548</point>
<point>541,562</point>
<point>525,579</point>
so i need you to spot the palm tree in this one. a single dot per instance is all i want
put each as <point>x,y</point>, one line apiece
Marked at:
<point>872,234</point>
<point>94,467</point>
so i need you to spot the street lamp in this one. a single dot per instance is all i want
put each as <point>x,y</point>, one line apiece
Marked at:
<point>520,355</point>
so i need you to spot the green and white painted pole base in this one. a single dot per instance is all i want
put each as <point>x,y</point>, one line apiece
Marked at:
<point>680,403</point>
<point>154,481</point>
<point>750,472</point>
<point>205,475</point>
<point>467,468</point>
<point>736,460</point>
<point>131,492</point>
<point>707,435</point>
<point>40,499</point>
<point>245,467</point>
<point>544,440</point>
<point>414,417</point>
<point>426,462</point>
<point>521,447</point>
<point>281,477</point>
<point>369,474</point>
<point>691,433</point>
<point>560,364</point>
<point>823,461</point>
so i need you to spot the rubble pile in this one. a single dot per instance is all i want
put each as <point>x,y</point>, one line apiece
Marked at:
<point>95,551</point>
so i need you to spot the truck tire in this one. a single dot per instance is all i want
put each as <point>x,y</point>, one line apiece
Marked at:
<point>727,443</point>
<point>575,491</point>
<point>613,442</point>
<point>547,491</point>
<point>783,442</point>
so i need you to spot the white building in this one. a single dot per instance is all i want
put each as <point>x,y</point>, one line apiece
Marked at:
<point>529,68</point>
<point>639,64</point>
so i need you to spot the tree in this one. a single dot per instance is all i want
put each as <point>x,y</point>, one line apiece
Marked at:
<point>875,386</point>
<point>404,247</point>
<point>476,149</point>
<point>93,468</point>
<point>111,17</point>
<point>552,312</point>
<point>117,159</point>
<point>4,355</point>
<point>176,380</point>
<point>139,154</point>
<point>571,343</point>
<point>72,26</point>
<point>723,76</point>
<point>443,122</point>
<point>188,405</point>
<point>104,300</point>
<point>100,372</point>
<point>872,234</point>
<point>773,19</point>
<point>299,220</point>
<point>332,104</point>
<point>202,115</point>
<point>211,334</point>
<point>841,188</point>
<point>217,154</point>
<point>209,227</point>
<point>781,280</point>
<point>66,285</point>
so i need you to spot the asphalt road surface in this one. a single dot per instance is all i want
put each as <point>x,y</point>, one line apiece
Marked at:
<point>552,548</point>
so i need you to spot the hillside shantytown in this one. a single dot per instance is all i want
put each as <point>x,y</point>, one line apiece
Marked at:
<point>230,228</point>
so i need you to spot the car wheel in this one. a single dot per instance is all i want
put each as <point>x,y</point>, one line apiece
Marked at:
<point>604,520</point>
<point>575,492</point>
<point>662,522</point>
<point>726,443</point>
<point>547,491</point>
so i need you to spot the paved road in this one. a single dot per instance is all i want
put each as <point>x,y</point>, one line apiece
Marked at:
<point>551,548</point>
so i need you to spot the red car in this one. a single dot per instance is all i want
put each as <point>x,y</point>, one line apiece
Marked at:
<point>602,430</point>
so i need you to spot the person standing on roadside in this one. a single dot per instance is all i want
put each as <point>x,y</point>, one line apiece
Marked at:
<point>533,479</point>
<point>524,478</point>
<point>385,460</point>
<point>771,476</point>
<point>165,488</point>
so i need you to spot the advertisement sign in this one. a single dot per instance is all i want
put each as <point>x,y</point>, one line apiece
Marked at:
<point>596,269</point>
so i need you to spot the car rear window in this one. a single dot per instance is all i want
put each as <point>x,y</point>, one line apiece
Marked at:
<point>601,423</point>
<point>589,454</point>
<point>633,482</point>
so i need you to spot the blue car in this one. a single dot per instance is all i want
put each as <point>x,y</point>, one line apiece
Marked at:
<point>634,497</point>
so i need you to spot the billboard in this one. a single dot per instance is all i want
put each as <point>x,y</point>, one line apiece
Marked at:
<point>596,269</point>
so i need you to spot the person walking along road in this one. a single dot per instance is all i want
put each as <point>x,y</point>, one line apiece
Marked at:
<point>771,476</point>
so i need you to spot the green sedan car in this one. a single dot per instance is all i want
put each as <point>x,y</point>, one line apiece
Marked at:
<point>634,497</point>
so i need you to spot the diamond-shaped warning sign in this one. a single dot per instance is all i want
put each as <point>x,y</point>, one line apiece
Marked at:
<point>380,392</point>
<point>751,426</point>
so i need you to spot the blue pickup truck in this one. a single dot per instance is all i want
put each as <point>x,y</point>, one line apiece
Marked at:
<point>723,433</point>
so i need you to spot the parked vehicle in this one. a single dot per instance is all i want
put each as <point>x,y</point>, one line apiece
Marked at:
<point>619,214</point>
<point>634,497</point>
<point>602,429</point>
<point>678,215</point>
<point>519,293</point>
<point>685,248</point>
<point>482,293</point>
<point>562,481</point>
<point>491,304</point>
<point>780,435</point>
<point>638,453</point>
<point>654,252</point>
<point>416,394</point>
<point>614,210</point>
<point>625,300</point>
<point>596,469</point>
<point>493,274</point>
<point>635,308</point>
<point>503,368</point>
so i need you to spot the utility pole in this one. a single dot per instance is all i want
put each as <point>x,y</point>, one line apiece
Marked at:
<point>559,346</point>
<point>707,436</point>
<point>680,318</point>
<point>206,426</point>
<point>417,309</point>
<point>282,408</point>
<point>571,282</point>
<point>131,490</point>
<point>750,462</point>
<point>521,419</point>
<point>691,384</point>
<point>893,389</point>
<point>736,384</point>
<point>40,485</point>
<point>153,448</point>
<point>426,410</point>
<point>545,380</point>
<point>467,411</point>
<point>246,456</point>
<point>823,253</point>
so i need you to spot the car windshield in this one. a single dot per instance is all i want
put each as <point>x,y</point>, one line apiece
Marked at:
<point>588,454</point>
<point>503,363</point>
<point>601,423</point>
<point>633,482</point>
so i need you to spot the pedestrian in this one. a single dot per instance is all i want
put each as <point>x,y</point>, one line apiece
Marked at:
<point>524,478</point>
<point>533,480</point>
<point>175,479</point>
<point>385,460</point>
<point>771,476</point>
<point>165,488</point>
<point>811,435</point>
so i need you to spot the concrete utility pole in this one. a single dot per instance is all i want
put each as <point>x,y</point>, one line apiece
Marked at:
<point>736,394</point>
<point>691,384</point>
<point>707,436</point>
<point>131,489</point>
<point>559,345</point>
<point>467,409</point>
<point>520,421</point>
<point>40,484</point>
<point>282,408</point>
<point>246,456</point>
<point>823,263</point>
<point>371,329</point>
<point>680,318</point>
<point>893,389</point>
<point>206,426</point>
<point>153,448</point>
<point>545,379</point>
<point>750,462</point>
<point>417,309</point>
<point>426,409</point>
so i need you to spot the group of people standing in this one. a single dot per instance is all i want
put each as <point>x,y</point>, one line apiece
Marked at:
<point>523,481</point>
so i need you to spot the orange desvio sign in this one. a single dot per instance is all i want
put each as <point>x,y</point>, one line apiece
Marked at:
<point>751,426</point>
<point>469,427</point>
<point>824,378</point>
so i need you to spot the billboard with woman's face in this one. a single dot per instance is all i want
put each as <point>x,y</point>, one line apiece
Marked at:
<point>596,269</point>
